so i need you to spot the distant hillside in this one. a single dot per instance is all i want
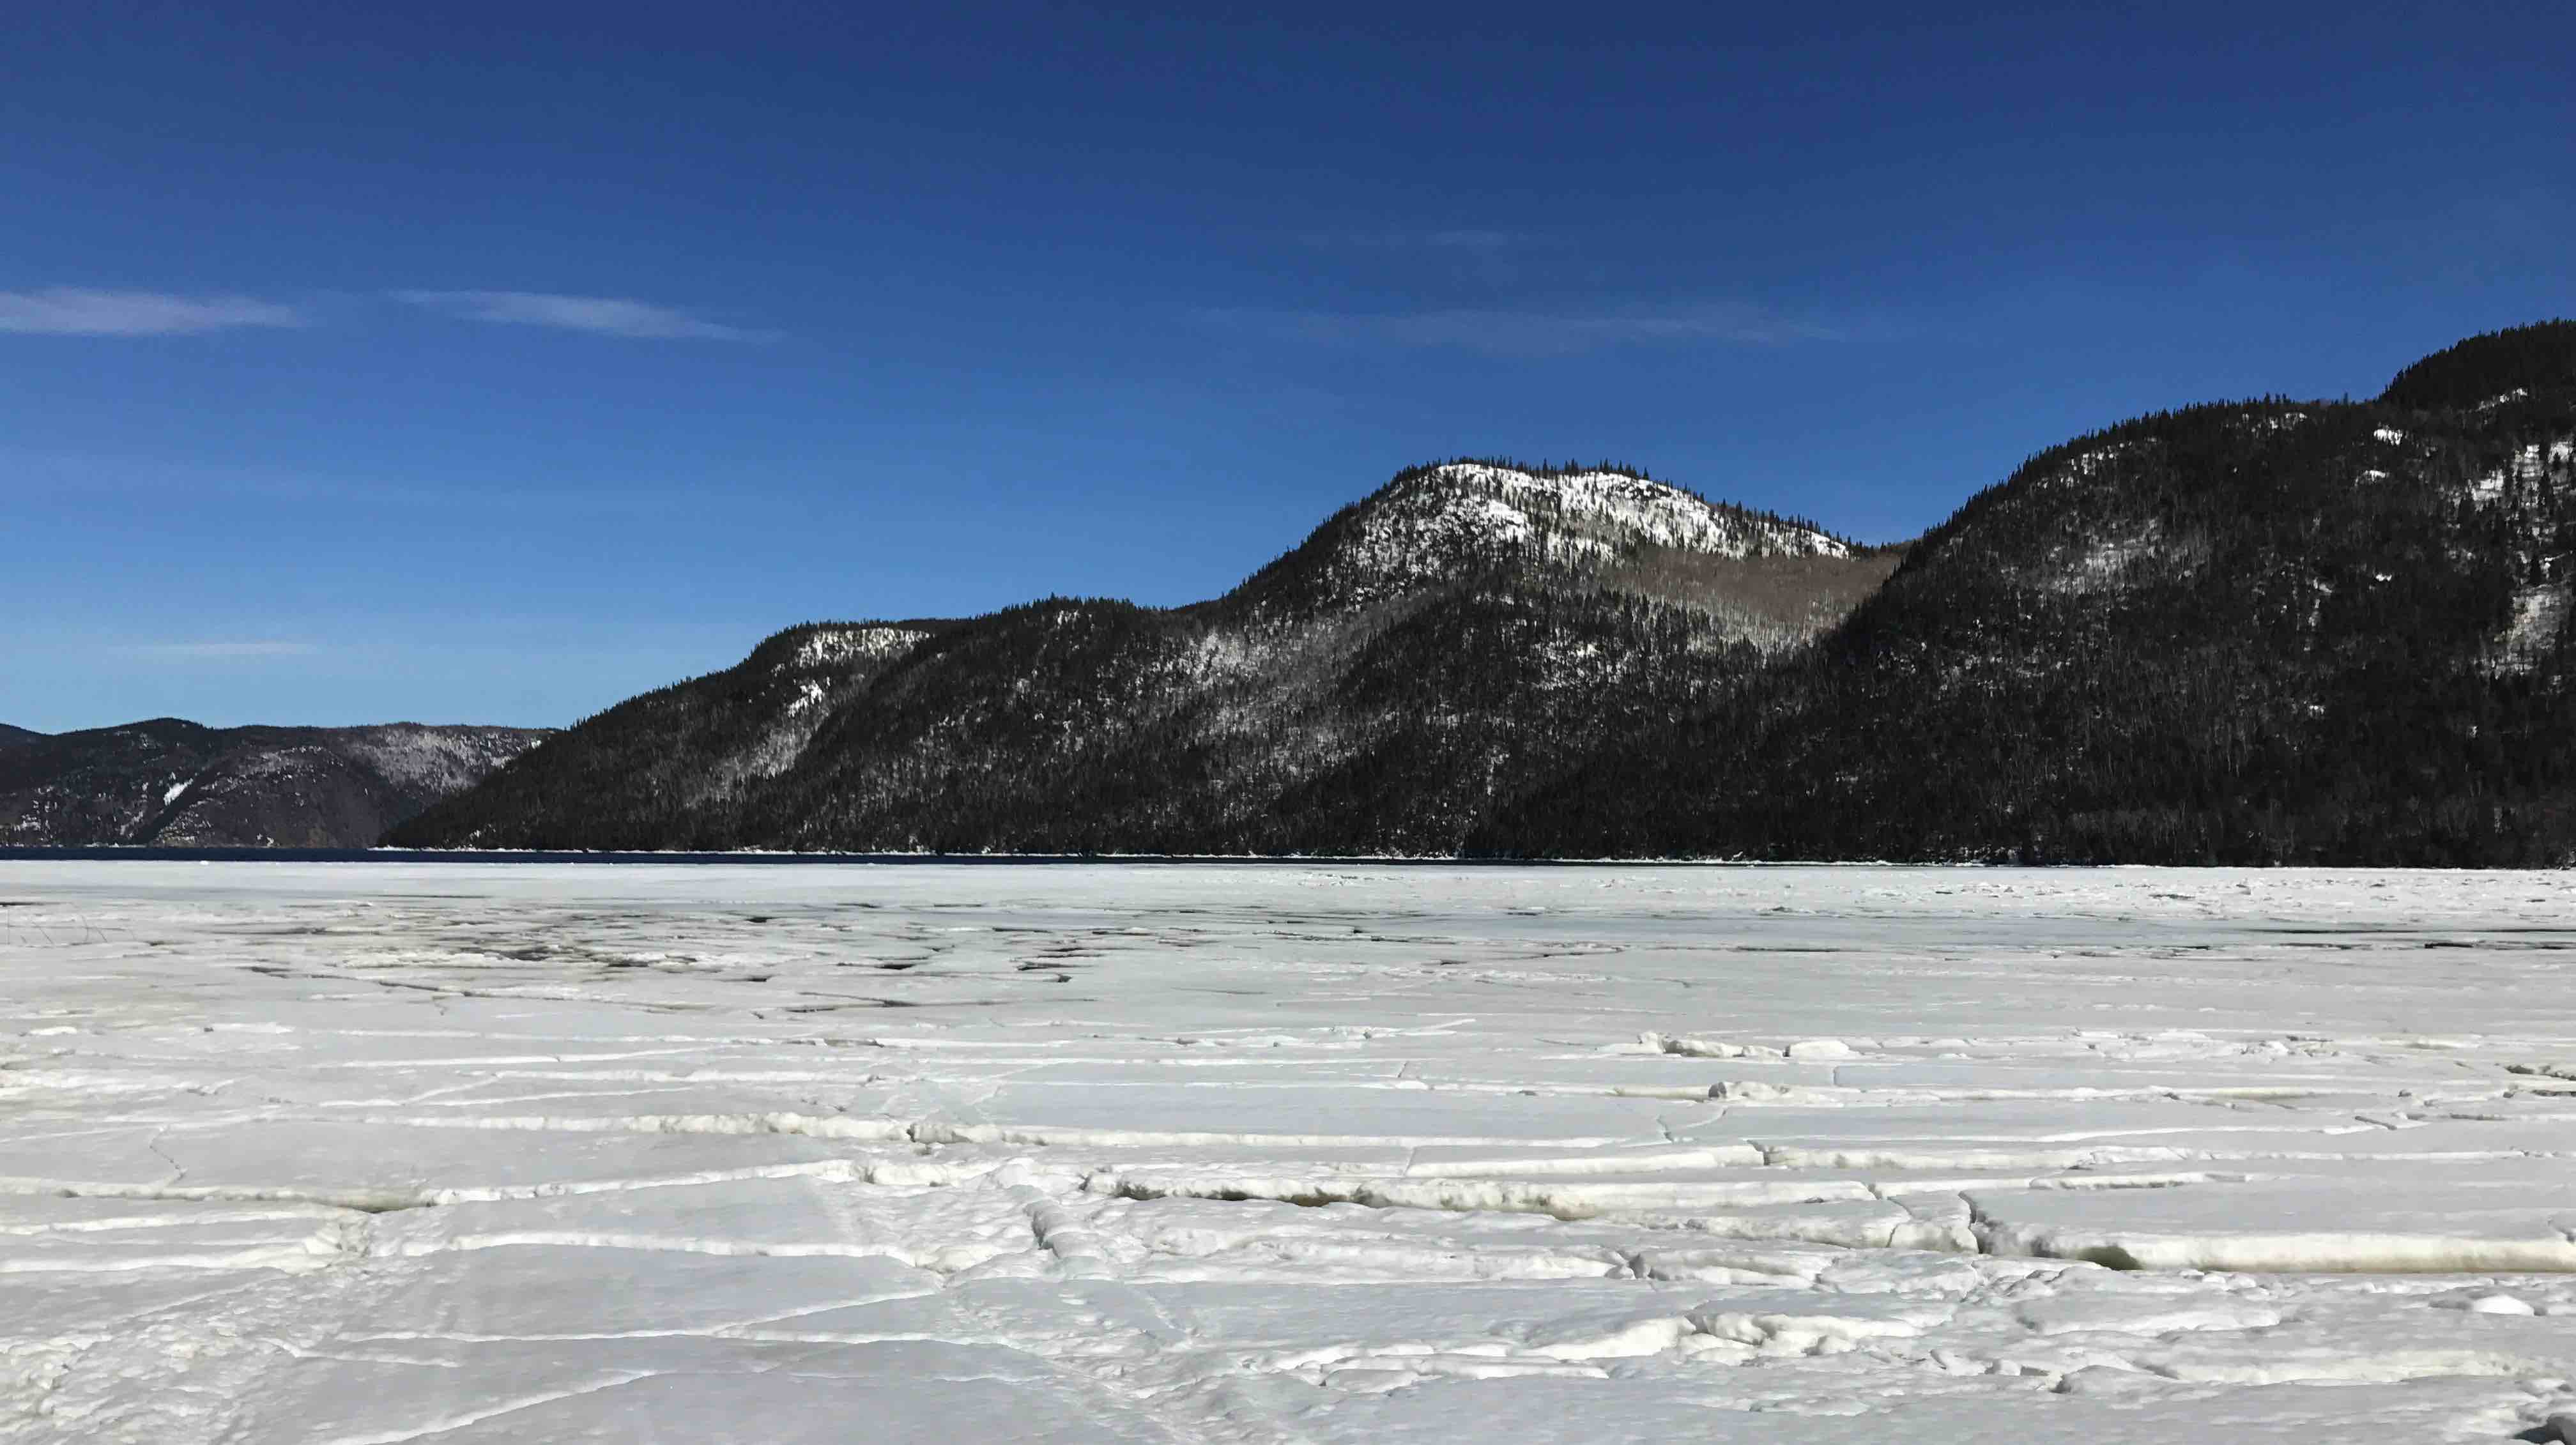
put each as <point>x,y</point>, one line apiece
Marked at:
<point>1381,687</point>
<point>171,783</point>
<point>2258,632</point>
<point>12,736</point>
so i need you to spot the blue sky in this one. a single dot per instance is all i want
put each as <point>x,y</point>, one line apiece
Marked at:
<point>493,363</point>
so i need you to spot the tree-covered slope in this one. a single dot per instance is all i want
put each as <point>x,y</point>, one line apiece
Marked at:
<point>1381,687</point>
<point>2273,631</point>
<point>171,783</point>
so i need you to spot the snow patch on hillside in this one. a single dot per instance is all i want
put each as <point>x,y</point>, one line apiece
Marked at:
<point>2539,615</point>
<point>2520,477</point>
<point>2122,556</point>
<point>2109,560</point>
<point>1608,509</point>
<point>831,646</point>
<point>437,760</point>
<point>1625,510</point>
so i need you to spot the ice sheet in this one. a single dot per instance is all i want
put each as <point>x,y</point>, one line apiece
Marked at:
<point>378,1153</point>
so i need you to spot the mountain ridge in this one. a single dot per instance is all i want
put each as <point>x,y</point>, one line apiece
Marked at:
<point>2318,632</point>
<point>169,782</point>
<point>2256,631</point>
<point>1262,719</point>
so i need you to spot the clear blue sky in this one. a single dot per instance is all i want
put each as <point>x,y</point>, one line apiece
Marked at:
<point>493,363</point>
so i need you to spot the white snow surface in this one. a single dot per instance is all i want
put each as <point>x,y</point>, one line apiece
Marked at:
<point>484,1153</point>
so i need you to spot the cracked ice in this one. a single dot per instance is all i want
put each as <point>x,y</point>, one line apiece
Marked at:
<point>484,1153</point>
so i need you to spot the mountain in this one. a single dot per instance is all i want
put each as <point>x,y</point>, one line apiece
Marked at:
<point>2248,633</point>
<point>12,736</point>
<point>1382,687</point>
<point>169,783</point>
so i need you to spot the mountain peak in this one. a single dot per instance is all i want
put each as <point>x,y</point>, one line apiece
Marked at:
<point>1446,520</point>
<point>1608,509</point>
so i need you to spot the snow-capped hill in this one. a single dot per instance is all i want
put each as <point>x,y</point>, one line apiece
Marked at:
<point>1613,511</point>
<point>1437,523</point>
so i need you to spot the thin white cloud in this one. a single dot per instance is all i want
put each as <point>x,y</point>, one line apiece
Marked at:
<point>219,651</point>
<point>73,311</point>
<point>1501,332</point>
<point>598,315</point>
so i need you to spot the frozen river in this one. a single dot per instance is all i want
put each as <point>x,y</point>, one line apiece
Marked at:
<point>476,1153</point>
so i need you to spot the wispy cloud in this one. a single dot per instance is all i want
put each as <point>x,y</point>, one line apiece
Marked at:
<point>598,315</point>
<point>1503,332</point>
<point>220,651</point>
<point>72,311</point>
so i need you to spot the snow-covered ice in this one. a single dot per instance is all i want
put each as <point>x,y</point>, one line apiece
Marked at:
<point>482,1153</point>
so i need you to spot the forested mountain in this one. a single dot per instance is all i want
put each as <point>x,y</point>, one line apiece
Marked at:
<point>2240,632</point>
<point>11,736</point>
<point>170,783</point>
<point>2265,632</point>
<point>1384,686</point>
